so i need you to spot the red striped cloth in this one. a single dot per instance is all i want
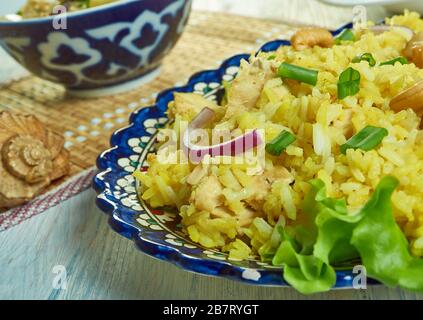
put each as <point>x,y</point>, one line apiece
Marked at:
<point>51,199</point>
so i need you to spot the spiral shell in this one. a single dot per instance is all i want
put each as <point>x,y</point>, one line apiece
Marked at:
<point>27,159</point>
<point>31,157</point>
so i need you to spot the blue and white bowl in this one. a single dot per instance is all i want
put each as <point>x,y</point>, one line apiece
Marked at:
<point>98,51</point>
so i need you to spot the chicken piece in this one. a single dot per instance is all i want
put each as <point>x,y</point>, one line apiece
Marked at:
<point>345,123</point>
<point>246,217</point>
<point>208,195</point>
<point>247,87</point>
<point>260,187</point>
<point>222,212</point>
<point>278,173</point>
<point>188,105</point>
<point>262,184</point>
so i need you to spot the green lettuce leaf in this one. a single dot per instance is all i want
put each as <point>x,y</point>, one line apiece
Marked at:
<point>303,270</point>
<point>382,245</point>
<point>306,273</point>
<point>330,235</point>
<point>334,226</point>
<point>333,243</point>
<point>411,278</point>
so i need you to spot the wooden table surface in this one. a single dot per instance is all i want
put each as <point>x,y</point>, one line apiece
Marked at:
<point>101,264</point>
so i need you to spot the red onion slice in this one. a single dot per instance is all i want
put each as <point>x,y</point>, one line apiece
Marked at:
<point>378,29</point>
<point>231,148</point>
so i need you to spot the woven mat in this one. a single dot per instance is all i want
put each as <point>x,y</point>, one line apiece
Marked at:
<point>87,124</point>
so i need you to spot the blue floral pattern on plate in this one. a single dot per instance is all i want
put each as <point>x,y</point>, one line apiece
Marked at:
<point>158,232</point>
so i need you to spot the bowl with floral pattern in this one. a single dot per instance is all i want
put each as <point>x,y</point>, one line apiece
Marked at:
<point>98,51</point>
<point>158,232</point>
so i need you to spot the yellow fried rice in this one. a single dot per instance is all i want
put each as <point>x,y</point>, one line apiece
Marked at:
<point>223,207</point>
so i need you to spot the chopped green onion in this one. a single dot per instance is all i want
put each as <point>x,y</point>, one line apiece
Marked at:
<point>346,35</point>
<point>279,144</point>
<point>365,57</point>
<point>271,57</point>
<point>348,83</point>
<point>294,72</point>
<point>402,60</point>
<point>367,139</point>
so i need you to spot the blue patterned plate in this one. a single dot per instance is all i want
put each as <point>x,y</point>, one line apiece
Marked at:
<point>158,232</point>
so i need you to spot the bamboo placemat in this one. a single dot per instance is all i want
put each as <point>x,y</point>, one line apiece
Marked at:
<point>88,124</point>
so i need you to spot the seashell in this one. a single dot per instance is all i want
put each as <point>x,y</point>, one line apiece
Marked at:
<point>27,159</point>
<point>31,157</point>
<point>61,165</point>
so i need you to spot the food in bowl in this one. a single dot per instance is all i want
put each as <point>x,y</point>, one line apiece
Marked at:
<point>42,8</point>
<point>322,165</point>
<point>100,51</point>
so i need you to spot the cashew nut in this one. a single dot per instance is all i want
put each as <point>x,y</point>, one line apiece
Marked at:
<point>409,98</point>
<point>414,50</point>
<point>310,37</point>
